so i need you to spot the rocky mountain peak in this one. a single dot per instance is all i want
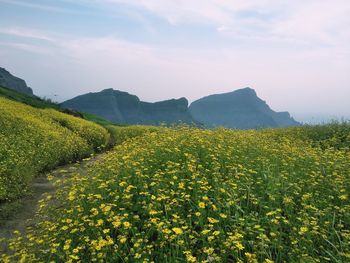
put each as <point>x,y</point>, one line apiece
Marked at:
<point>9,81</point>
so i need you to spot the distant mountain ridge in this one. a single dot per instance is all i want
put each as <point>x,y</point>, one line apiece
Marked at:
<point>241,109</point>
<point>124,108</point>
<point>9,81</point>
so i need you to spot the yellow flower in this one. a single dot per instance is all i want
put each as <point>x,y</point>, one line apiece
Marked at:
<point>75,257</point>
<point>303,230</point>
<point>223,215</point>
<point>287,200</point>
<point>99,222</point>
<point>177,230</point>
<point>205,231</point>
<point>191,258</point>
<point>122,239</point>
<point>343,197</point>
<point>126,224</point>
<point>105,208</point>
<point>212,220</point>
<point>239,245</point>
<point>209,250</point>
<point>251,257</point>
<point>201,205</point>
<point>66,246</point>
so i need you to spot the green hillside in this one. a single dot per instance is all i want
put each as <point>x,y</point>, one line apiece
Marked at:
<point>26,99</point>
<point>33,140</point>
<point>40,103</point>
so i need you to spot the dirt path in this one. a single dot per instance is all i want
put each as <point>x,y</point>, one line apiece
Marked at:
<point>40,187</point>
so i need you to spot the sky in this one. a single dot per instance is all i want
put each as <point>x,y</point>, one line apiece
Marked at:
<point>295,54</point>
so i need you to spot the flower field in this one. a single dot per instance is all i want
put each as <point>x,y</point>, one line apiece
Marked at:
<point>33,140</point>
<point>121,134</point>
<point>193,195</point>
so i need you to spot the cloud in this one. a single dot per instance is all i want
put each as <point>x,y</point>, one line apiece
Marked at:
<point>106,50</point>
<point>26,33</point>
<point>323,22</point>
<point>182,11</point>
<point>315,22</point>
<point>224,29</point>
<point>43,7</point>
<point>160,72</point>
<point>28,47</point>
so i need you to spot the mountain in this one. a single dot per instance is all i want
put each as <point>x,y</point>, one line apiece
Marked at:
<point>9,81</point>
<point>124,108</point>
<point>241,109</point>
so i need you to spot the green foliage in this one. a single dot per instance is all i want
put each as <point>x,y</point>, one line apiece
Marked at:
<point>332,135</point>
<point>335,134</point>
<point>121,134</point>
<point>7,210</point>
<point>26,99</point>
<point>96,119</point>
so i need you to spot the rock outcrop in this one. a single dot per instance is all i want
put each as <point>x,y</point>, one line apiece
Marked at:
<point>9,81</point>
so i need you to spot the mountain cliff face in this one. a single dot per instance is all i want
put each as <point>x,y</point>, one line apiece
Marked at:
<point>241,109</point>
<point>122,107</point>
<point>9,81</point>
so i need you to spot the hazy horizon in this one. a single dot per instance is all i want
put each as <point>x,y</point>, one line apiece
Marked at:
<point>294,54</point>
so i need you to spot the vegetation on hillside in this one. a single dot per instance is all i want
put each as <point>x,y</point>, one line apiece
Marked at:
<point>121,134</point>
<point>96,119</point>
<point>187,194</point>
<point>332,135</point>
<point>41,103</point>
<point>33,140</point>
<point>26,99</point>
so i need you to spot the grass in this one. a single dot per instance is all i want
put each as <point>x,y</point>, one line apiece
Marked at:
<point>335,135</point>
<point>7,210</point>
<point>96,119</point>
<point>193,195</point>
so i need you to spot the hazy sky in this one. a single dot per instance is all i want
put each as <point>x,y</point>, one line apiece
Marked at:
<point>295,54</point>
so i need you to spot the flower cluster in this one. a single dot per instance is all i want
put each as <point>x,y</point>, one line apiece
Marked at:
<point>32,140</point>
<point>194,195</point>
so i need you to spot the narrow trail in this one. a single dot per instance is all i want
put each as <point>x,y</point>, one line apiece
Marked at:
<point>40,187</point>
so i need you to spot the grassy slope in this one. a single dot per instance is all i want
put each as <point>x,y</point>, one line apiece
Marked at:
<point>26,99</point>
<point>36,139</point>
<point>37,102</point>
<point>21,182</point>
<point>96,119</point>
